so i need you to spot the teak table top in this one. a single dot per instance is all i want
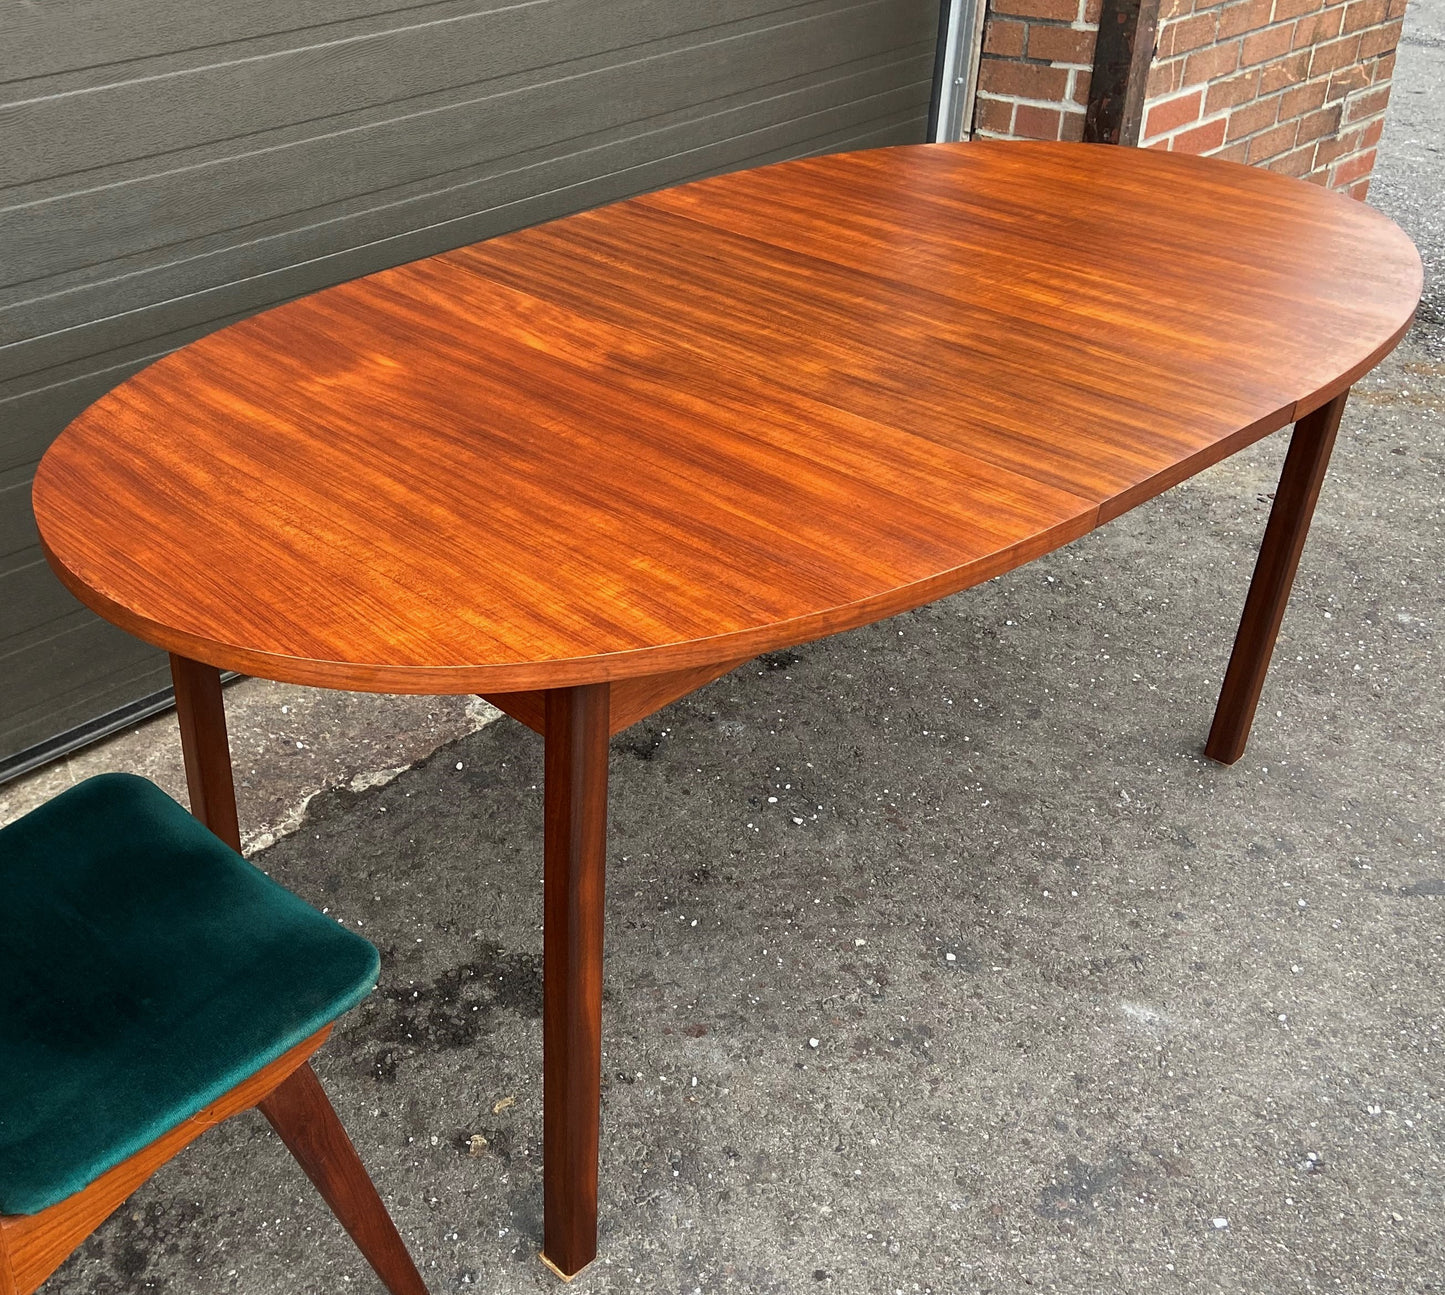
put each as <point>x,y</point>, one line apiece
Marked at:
<point>710,422</point>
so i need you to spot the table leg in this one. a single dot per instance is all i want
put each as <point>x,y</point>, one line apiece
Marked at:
<point>202,715</point>
<point>1274,571</point>
<point>575,860</point>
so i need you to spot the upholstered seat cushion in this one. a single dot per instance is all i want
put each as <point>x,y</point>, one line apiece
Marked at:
<point>145,969</point>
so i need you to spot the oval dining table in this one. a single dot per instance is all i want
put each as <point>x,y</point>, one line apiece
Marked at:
<point>585,468</point>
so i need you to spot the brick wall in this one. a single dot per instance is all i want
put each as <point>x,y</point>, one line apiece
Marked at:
<point>1033,80</point>
<point>1298,86</point>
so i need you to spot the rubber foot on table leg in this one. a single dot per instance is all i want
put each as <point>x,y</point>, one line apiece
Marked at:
<point>559,1272</point>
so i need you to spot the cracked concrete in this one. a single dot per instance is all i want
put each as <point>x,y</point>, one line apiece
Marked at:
<point>938,958</point>
<point>287,744</point>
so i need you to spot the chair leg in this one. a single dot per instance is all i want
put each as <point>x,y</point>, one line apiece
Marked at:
<point>303,1118</point>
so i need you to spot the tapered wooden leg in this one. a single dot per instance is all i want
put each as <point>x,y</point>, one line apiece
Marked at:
<point>303,1118</point>
<point>202,714</point>
<point>576,852</point>
<point>1274,572</point>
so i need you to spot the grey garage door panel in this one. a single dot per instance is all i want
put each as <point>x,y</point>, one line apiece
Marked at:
<point>29,422</point>
<point>291,262</point>
<point>59,384</point>
<point>32,598</point>
<point>55,323</point>
<point>41,39</point>
<point>904,129</point>
<point>155,211</point>
<point>17,526</point>
<point>59,685</point>
<point>410,56</point>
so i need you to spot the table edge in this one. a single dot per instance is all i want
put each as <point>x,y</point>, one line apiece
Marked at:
<point>531,676</point>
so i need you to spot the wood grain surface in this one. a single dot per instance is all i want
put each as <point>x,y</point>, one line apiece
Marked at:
<point>713,421</point>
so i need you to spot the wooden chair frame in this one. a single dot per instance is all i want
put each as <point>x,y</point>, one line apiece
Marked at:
<point>32,1246</point>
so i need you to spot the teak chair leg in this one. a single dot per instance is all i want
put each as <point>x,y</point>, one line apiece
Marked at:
<point>575,853</point>
<point>303,1118</point>
<point>1274,572</point>
<point>32,1246</point>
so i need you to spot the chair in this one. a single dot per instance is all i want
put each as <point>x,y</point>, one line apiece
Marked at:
<point>152,984</point>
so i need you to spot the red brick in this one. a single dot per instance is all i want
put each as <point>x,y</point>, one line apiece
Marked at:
<point>1005,38</point>
<point>1360,190</point>
<point>1396,8</point>
<point>1380,40</point>
<point>1092,9</point>
<point>1373,132</point>
<point>1352,168</point>
<point>1360,14</point>
<point>993,114</point>
<point>1317,28</point>
<point>1271,143</point>
<point>1382,69</point>
<point>1286,9</point>
<point>1230,91</point>
<point>1162,145</point>
<point>1058,10</point>
<point>1302,99</point>
<point>1368,104</point>
<point>1248,15</point>
<point>1318,177</point>
<point>1023,80</point>
<point>1164,79</point>
<point>1297,162</point>
<point>1173,113</point>
<point>1031,122</point>
<point>1265,45</point>
<point>1284,72</point>
<point>1318,124</point>
<point>1234,152</point>
<point>1073,127</point>
<point>1169,9</point>
<point>1251,118</point>
<point>1345,81</point>
<point>1328,150</point>
<point>1206,65</point>
<point>1080,92</point>
<point>1202,139</point>
<point>1061,44</point>
<point>1187,34</point>
<point>1337,54</point>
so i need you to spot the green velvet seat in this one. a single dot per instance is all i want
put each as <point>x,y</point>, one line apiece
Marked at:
<point>145,970</point>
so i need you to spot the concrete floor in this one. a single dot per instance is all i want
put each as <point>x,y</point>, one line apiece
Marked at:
<point>938,957</point>
<point>287,744</point>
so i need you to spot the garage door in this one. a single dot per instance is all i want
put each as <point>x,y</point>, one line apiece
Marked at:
<point>167,167</point>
